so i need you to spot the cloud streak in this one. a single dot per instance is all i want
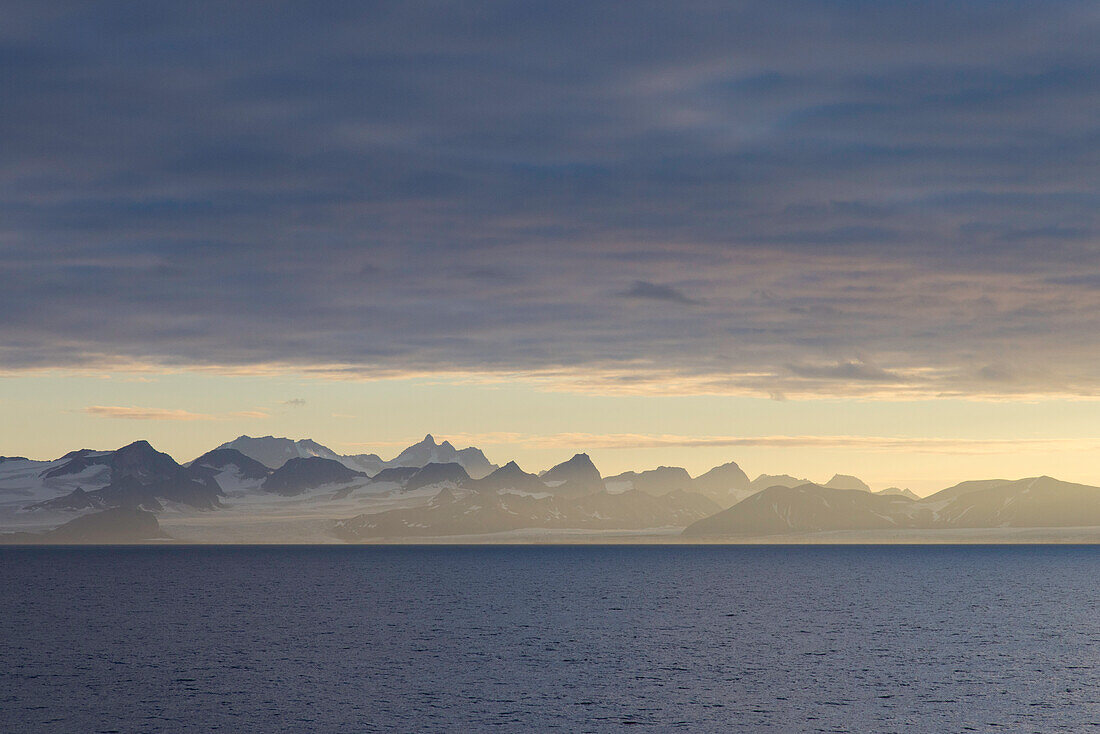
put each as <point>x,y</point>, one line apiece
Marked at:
<point>645,290</point>
<point>145,414</point>
<point>160,414</point>
<point>885,444</point>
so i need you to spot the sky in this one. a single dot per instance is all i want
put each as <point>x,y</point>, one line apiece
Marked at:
<point>808,237</point>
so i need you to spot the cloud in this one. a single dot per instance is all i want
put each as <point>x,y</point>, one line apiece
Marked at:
<point>847,370</point>
<point>655,292</point>
<point>156,414</point>
<point>889,444</point>
<point>145,414</point>
<point>879,189</point>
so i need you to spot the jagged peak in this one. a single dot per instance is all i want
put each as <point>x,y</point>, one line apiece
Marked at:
<point>580,461</point>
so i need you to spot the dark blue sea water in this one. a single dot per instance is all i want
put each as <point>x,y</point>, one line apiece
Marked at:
<point>350,639</point>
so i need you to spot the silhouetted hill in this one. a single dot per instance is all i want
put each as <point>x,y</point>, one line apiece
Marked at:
<point>899,491</point>
<point>847,481</point>
<point>1037,502</point>
<point>776,480</point>
<point>117,525</point>
<point>965,488</point>
<point>807,508</point>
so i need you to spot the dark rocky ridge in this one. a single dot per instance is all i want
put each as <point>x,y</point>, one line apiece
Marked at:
<point>302,474</point>
<point>219,459</point>
<point>399,474</point>
<point>437,474</point>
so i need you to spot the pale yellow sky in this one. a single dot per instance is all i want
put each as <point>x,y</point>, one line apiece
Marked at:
<point>924,444</point>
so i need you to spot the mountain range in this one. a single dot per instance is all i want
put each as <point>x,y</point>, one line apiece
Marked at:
<point>273,452</point>
<point>434,490</point>
<point>1038,502</point>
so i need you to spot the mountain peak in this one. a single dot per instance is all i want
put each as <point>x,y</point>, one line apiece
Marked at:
<point>723,477</point>
<point>576,476</point>
<point>847,481</point>
<point>300,474</point>
<point>510,476</point>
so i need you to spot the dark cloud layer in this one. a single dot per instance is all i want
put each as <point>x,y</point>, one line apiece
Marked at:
<point>851,196</point>
<point>656,292</point>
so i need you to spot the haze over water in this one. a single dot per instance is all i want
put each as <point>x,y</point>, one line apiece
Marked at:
<point>522,638</point>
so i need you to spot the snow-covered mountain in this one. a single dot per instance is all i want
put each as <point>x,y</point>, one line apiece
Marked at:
<point>428,451</point>
<point>136,476</point>
<point>233,471</point>
<point>25,482</point>
<point>405,497</point>
<point>273,452</point>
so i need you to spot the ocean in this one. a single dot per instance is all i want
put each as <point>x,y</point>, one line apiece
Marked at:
<point>550,638</point>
